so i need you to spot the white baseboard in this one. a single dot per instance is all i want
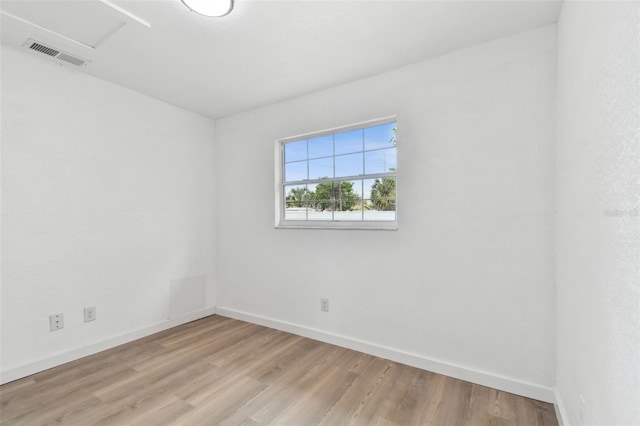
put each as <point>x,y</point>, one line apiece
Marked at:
<point>507,384</point>
<point>561,413</point>
<point>62,358</point>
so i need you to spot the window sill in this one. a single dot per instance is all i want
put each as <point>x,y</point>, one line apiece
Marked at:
<point>346,226</point>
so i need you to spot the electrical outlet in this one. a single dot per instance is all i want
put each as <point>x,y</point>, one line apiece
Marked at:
<point>56,321</point>
<point>324,305</point>
<point>90,314</point>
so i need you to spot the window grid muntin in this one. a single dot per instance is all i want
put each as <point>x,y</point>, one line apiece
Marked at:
<point>360,177</point>
<point>357,181</point>
<point>332,200</point>
<point>337,155</point>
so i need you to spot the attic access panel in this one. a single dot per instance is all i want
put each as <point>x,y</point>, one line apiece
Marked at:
<point>88,22</point>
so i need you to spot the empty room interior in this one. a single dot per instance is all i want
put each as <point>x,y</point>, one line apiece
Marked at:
<point>310,212</point>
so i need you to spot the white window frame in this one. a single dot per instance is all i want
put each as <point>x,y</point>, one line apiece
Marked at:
<point>280,222</point>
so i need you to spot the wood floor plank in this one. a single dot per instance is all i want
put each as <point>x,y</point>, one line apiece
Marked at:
<point>349,408</point>
<point>223,371</point>
<point>316,400</point>
<point>370,411</point>
<point>153,410</point>
<point>47,396</point>
<point>287,384</point>
<point>55,413</point>
<point>219,407</point>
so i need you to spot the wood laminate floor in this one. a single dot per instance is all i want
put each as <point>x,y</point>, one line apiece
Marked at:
<point>223,371</point>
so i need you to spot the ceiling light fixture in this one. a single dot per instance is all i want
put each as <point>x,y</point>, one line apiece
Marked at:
<point>213,8</point>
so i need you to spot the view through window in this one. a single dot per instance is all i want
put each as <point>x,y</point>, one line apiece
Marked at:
<point>345,176</point>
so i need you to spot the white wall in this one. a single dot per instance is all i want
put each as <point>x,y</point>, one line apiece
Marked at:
<point>468,279</point>
<point>107,195</point>
<point>598,223</point>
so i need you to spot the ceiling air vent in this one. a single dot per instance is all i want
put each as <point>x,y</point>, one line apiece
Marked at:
<point>71,59</point>
<point>43,49</point>
<point>55,53</point>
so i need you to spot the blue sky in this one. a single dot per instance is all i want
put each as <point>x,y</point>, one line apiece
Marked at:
<point>379,154</point>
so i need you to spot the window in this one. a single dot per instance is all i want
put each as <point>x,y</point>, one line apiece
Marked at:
<point>341,178</point>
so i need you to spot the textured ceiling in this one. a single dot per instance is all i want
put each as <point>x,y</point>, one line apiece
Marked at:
<point>264,51</point>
